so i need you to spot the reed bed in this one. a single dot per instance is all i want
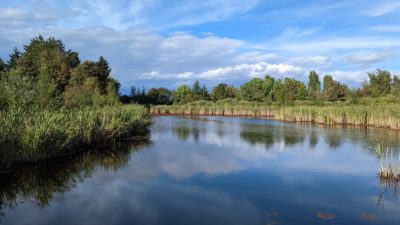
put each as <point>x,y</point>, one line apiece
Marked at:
<point>379,115</point>
<point>42,134</point>
<point>390,165</point>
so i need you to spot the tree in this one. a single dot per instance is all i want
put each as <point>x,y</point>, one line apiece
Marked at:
<point>223,91</point>
<point>314,85</point>
<point>255,90</point>
<point>277,92</point>
<point>159,96</point>
<point>102,73</point>
<point>183,95</point>
<point>14,56</point>
<point>380,82</point>
<point>3,65</point>
<point>334,90</point>
<point>395,88</point>
<point>294,90</point>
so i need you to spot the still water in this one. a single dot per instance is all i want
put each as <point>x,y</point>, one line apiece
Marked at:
<point>213,170</point>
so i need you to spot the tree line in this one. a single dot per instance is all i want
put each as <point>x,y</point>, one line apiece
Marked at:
<point>47,75</point>
<point>270,89</point>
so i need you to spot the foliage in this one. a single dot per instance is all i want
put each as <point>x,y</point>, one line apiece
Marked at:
<point>256,89</point>
<point>294,90</point>
<point>314,85</point>
<point>223,91</point>
<point>183,95</point>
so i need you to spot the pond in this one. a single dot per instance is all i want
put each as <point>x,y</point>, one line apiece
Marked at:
<point>213,170</point>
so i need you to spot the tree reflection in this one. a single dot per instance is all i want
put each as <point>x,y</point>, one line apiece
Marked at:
<point>42,182</point>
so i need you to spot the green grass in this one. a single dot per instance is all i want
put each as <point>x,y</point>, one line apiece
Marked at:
<point>384,115</point>
<point>390,166</point>
<point>42,134</point>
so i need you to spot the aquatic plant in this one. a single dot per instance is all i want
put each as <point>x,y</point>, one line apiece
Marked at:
<point>382,115</point>
<point>390,167</point>
<point>41,134</point>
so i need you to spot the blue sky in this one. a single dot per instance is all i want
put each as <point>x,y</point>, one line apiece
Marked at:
<point>169,43</point>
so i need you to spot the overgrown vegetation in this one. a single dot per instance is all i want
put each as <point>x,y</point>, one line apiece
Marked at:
<point>51,104</point>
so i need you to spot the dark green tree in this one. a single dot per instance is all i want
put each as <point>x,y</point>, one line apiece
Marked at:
<point>102,73</point>
<point>3,65</point>
<point>294,90</point>
<point>14,56</point>
<point>223,91</point>
<point>314,85</point>
<point>334,90</point>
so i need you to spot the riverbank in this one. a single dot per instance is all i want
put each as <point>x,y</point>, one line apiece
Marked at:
<point>374,115</point>
<point>42,134</point>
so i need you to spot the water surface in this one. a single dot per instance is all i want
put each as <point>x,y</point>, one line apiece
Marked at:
<point>213,170</point>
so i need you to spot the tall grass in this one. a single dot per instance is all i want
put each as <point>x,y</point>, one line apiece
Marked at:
<point>375,115</point>
<point>42,134</point>
<point>390,166</point>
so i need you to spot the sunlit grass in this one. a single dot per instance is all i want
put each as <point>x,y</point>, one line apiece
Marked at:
<point>41,134</point>
<point>375,115</point>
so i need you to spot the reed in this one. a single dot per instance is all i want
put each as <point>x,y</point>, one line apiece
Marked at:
<point>375,115</point>
<point>42,134</point>
<point>390,166</point>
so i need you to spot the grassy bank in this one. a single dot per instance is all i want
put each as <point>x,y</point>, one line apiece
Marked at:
<point>42,134</point>
<point>375,115</point>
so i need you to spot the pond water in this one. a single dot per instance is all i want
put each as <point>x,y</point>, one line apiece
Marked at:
<point>213,170</point>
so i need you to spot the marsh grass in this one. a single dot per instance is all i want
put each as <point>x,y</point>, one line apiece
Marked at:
<point>389,164</point>
<point>382,115</point>
<point>42,134</point>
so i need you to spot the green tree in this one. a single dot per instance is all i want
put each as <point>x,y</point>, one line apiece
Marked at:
<point>334,90</point>
<point>14,56</point>
<point>380,82</point>
<point>183,95</point>
<point>395,89</point>
<point>314,85</point>
<point>223,91</point>
<point>256,89</point>
<point>294,90</point>
<point>277,92</point>
<point>3,65</point>
<point>159,96</point>
<point>102,73</point>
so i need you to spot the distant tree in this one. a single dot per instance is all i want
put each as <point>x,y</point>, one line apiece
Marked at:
<point>14,56</point>
<point>3,65</point>
<point>159,96</point>
<point>379,82</point>
<point>73,59</point>
<point>314,85</point>
<point>102,73</point>
<point>395,88</point>
<point>256,90</point>
<point>199,92</point>
<point>183,95</point>
<point>223,91</point>
<point>277,92</point>
<point>334,90</point>
<point>294,90</point>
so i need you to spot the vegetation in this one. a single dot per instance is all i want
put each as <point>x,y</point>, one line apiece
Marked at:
<point>390,167</point>
<point>51,104</point>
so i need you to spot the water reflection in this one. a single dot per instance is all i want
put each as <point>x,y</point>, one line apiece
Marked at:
<point>42,182</point>
<point>215,170</point>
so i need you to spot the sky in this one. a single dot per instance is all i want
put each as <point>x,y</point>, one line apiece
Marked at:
<point>154,43</point>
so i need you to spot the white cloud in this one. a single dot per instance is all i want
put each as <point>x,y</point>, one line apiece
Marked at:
<point>387,28</point>
<point>384,8</point>
<point>370,58</point>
